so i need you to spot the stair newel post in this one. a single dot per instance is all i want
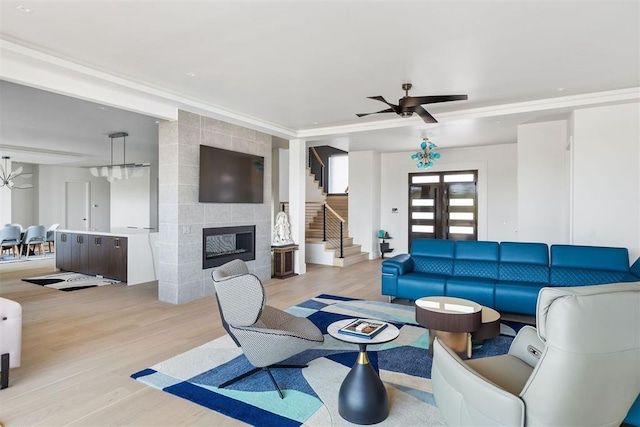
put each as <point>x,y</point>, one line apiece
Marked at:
<point>324,222</point>
<point>341,239</point>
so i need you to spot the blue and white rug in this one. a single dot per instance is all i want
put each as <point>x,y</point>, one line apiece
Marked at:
<point>311,394</point>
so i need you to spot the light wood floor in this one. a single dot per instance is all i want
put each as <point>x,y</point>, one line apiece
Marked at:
<point>79,348</point>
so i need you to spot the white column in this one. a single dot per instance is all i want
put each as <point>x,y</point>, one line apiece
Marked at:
<point>297,198</point>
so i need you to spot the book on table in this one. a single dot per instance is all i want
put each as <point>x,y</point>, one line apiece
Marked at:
<point>363,328</point>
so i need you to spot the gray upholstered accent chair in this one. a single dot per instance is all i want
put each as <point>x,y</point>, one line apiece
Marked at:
<point>10,338</point>
<point>10,239</point>
<point>51,235</point>
<point>35,236</point>
<point>581,367</point>
<point>266,335</point>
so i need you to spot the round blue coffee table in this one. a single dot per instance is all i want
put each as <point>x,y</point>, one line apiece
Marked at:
<point>363,398</point>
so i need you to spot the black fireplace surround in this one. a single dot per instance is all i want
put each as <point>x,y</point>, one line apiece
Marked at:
<point>223,244</point>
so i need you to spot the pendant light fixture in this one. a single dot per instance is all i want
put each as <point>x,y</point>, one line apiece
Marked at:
<point>426,155</point>
<point>120,171</point>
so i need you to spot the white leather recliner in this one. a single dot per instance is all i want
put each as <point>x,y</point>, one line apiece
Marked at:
<point>581,367</point>
<point>10,338</point>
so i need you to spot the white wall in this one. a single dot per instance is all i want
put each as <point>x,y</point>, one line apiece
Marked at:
<point>130,201</point>
<point>5,206</point>
<point>497,190</point>
<point>364,198</point>
<point>24,203</point>
<point>283,180</point>
<point>543,186</point>
<point>606,177</point>
<point>52,207</point>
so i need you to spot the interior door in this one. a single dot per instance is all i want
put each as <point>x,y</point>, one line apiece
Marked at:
<point>77,205</point>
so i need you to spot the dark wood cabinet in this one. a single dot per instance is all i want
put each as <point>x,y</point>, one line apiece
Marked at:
<point>79,261</point>
<point>63,250</point>
<point>98,252</point>
<point>117,258</point>
<point>95,255</point>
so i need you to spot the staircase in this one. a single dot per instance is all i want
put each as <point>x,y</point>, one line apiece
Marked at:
<point>351,252</point>
<point>328,252</point>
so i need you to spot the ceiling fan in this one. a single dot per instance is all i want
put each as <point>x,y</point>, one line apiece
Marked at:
<point>407,105</point>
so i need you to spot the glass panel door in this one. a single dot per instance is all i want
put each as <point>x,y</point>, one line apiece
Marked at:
<point>443,205</point>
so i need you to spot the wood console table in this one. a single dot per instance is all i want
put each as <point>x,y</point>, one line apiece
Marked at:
<point>283,261</point>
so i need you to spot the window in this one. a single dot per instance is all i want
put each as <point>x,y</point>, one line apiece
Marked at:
<point>338,174</point>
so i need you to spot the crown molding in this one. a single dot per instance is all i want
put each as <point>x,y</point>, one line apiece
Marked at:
<point>87,83</point>
<point>93,85</point>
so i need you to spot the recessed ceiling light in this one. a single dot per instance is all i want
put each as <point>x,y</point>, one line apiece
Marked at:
<point>101,108</point>
<point>560,89</point>
<point>191,74</point>
<point>157,122</point>
<point>24,9</point>
<point>315,123</point>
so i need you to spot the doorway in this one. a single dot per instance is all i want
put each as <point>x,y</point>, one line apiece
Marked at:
<point>77,205</point>
<point>443,205</point>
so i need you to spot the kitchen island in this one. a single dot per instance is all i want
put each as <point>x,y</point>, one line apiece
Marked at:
<point>125,254</point>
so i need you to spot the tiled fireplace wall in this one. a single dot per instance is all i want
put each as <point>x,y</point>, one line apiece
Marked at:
<point>182,218</point>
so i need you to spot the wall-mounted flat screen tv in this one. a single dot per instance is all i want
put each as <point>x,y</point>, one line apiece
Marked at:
<point>230,177</point>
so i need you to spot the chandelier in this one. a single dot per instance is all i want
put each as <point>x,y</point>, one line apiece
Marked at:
<point>426,155</point>
<point>7,177</point>
<point>121,171</point>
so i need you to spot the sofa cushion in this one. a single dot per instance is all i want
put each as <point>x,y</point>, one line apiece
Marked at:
<point>476,259</point>
<point>417,285</point>
<point>635,270</point>
<point>573,265</point>
<point>433,248</point>
<point>590,257</point>
<point>441,266</point>
<point>524,262</point>
<point>517,297</point>
<point>477,289</point>
<point>433,256</point>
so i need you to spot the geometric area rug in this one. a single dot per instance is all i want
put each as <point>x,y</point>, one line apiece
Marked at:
<point>70,281</point>
<point>311,394</point>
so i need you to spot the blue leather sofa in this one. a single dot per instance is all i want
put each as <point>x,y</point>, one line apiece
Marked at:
<point>506,276</point>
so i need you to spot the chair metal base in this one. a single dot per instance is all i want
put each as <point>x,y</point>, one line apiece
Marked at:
<point>266,368</point>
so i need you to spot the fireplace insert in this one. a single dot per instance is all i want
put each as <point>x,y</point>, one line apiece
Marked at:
<point>223,244</point>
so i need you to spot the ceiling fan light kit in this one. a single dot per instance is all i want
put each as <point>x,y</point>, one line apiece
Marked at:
<point>122,171</point>
<point>407,105</point>
<point>7,177</point>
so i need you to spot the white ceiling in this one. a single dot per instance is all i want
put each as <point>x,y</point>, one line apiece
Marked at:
<point>307,67</point>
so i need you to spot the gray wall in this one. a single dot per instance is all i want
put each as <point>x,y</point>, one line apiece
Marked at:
<point>182,217</point>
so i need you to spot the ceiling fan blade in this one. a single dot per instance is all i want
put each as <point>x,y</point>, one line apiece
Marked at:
<point>410,101</point>
<point>424,114</point>
<point>24,175</point>
<point>388,110</point>
<point>395,108</point>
